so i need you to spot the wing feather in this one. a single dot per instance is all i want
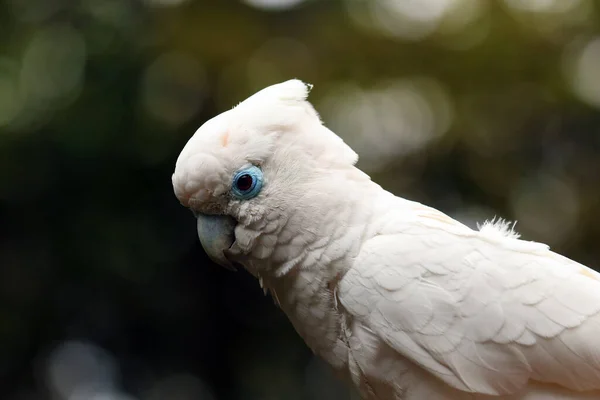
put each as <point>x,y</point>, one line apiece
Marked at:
<point>483,314</point>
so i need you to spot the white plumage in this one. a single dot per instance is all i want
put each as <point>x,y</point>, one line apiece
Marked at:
<point>402,300</point>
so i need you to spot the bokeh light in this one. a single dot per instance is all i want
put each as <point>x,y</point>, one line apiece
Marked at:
<point>273,5</point>
<point>416,20</point>
<point>553,19</point>
<point>396,118</point>
<point>51,74</point>
<point>544,6</point>
<point>165,3</point>
<point>583,64</point>
<point>10,95</point>
<point>78,370</point>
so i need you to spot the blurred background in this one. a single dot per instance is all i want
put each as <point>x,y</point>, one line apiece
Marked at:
<point>480,108</point>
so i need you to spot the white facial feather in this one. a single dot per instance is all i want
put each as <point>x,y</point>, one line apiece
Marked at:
<point>276,128</point>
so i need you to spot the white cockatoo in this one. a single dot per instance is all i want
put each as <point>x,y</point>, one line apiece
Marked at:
<point>400,299</point>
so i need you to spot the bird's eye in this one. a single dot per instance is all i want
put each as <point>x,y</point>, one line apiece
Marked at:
<point>244,183</point>
<point>247,183</point>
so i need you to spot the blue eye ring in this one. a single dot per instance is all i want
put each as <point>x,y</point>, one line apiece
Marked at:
<point>247,183</point>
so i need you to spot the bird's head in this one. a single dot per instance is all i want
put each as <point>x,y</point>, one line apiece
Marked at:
<point>245,171</point>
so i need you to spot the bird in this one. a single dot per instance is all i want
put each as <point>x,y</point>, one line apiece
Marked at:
<point>401,300</point>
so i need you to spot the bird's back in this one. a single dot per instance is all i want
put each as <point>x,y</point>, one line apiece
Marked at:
<point>437,308</point>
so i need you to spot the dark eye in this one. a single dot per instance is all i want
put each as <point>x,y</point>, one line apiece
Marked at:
<point>247,183</point>
<point>244,182</point>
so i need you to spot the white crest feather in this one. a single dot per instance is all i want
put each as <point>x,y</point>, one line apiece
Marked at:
<point>293,90</point>
<point>284,107</point>
<point>498,228</point>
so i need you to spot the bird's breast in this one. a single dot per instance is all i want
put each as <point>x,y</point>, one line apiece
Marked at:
<point>309,304</point>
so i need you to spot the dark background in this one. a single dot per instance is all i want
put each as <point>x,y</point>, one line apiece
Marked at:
<point>479,108</point>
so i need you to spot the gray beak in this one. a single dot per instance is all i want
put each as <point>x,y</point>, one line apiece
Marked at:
<point>216,233</point>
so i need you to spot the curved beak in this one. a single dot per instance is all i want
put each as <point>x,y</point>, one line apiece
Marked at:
<point>216,233</point>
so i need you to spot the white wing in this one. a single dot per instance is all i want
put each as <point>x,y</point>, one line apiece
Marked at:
<point>484,313</point>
